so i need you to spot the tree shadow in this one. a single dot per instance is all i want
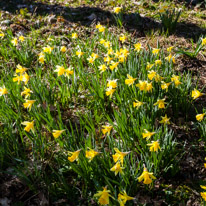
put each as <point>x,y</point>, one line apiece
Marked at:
<point>133,23</point>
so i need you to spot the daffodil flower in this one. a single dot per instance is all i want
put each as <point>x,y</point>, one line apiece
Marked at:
<point>74,155</point>
<point>90,154</point>
<point>146,176</point>
<point>103,196</point>
<point>57,133</point>
<point>29,126</point>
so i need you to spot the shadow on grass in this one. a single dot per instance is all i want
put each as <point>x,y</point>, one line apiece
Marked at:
<point>133,22</point>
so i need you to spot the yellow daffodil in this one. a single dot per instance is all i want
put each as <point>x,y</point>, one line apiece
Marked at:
<point>130,81</point>
<point>20,69</point>
<point>114,65</point>
<point>137,47</point>
<point>98,26</point>
<point>203,195</point>
<point>149,66</point>
<point>169,58</point>
<point>123,198</point>
<point>74,36</point>
<point>27,92</point>
<point>117,10</point>
<point>147,134</point>
<point>21,38</point>
<point>91,60</point>
<point>103,196</point>
<point>14,41</point>
<point>117,168</point>
<point>160,103</point>
<point>41,57</point>
<point>102,41</point>
<point>155,51</point>
<point>2,35</point>
<point>137,104</point>
<point>158,62</point>
<point>119,156</point>
<point>107,59</point>
<point>101,29</point>
<point>204,42</point>
<point>151,74</point>
<point>25,78</point>
<point>68,72</point>
<point>158,78</point>
<point>169,49</point>
<point>17,78</point>
<point>3,91</point>
<point>165,85</point>
<point>112,83</point>
<point>102,68</point>
<point>94,55</point>
<point>110,91</point>
<point>57,133</point>
<point>106,129</point>
<point>90,154</point>
<point>28,104</point>
<point>79,53</point>
<point>107,44</point>
<point>48,49</point>
<point>154,146</point>
<point>149,87</point>
<point>60,70</point>
<point>200,117</point>
<point>110,51</point>
<point>122,38</point>
<point>29,126</point>
<point>203,187</point>
<point>165,120</point>
<point>176,80</point>
<point>146,176</point>
<point>142,85</point>
<point>73,155</point>
<point>63,49</point>
<point>196,94</point>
